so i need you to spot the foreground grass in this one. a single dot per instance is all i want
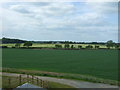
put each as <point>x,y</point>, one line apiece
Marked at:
<point>63,75</point>
<point>15,83</point>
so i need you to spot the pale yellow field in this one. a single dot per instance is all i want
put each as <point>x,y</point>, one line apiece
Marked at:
<point>52,45</point>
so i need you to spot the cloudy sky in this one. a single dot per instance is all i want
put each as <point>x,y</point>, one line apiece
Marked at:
<point>73,21</point>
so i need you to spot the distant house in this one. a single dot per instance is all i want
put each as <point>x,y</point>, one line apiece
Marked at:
<point>58,43</point>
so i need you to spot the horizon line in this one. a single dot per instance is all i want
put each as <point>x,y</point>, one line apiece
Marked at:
<point>59,40</point>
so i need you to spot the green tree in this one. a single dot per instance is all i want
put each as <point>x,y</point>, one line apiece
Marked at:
<point>28,44</point>
<point>97,47</point>
<point>110,44</point>
<point>17,45</point>
<point>116,46</point>
<point>89,47</point>
<point>80,47</point>
<point>72,46</point>
<point>58,46</point>
<point>67,46</point>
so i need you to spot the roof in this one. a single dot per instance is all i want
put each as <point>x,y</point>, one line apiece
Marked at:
<point>28,86</point>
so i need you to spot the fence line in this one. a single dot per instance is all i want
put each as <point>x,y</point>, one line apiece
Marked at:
<point>12,82</point>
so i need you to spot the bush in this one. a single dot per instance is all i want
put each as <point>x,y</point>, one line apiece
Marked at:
<point>67,46</point>
<point>80,47</point>
<point>58,46</point>
<point>97,47</point>
<point>3,46</point>
<point>13,47</point>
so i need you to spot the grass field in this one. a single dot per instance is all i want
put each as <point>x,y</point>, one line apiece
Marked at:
<point>98,63</point>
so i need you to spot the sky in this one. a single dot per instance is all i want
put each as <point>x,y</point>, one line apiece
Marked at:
<point>60,21</point>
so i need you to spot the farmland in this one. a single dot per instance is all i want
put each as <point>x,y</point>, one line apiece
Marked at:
<point>97,63</point>
<point>51,45</point>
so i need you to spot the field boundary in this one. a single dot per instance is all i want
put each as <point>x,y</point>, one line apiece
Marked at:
<point>68,82</point>
<point>13,82</point>
<point>63,75</point>
<point>20,79</point>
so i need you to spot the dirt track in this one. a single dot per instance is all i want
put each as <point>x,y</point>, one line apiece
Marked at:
<point>74,83</point>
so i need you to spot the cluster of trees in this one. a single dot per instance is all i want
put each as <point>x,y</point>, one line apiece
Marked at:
<point>80,47</point>
<point>89,47</point>
<point>97,47</point>
<point>68,46</point>
<point>58,46</point>
<point>27,44</point>
<point>8,40</point>
<point>111,44</point>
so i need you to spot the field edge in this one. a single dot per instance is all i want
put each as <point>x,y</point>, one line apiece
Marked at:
<point>63,75</point>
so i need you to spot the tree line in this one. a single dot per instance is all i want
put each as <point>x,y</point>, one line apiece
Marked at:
<point>9,40</point>
<point>110,44</point>
<point>27,44</point>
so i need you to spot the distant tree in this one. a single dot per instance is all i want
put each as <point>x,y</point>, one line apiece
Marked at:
<point>8,40</point>
<point>116,46</point>
<point>110,44</point>
<point>3,46</point>
<point>107,46</point>
<point>94,43</point>
<point>89,47</point>
<point>58,46</point>
<point>28,44</point>
<point>67,46</point>
<point>80,47</point>
<point>72,46</point>
<point>17,45</point>
<point>97,47</point>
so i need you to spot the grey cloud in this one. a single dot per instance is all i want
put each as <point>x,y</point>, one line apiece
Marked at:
<point>56,21</point>
<point>104,7</point>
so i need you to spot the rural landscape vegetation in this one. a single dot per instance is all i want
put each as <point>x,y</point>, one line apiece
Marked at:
<point>60,45</point>
<point>93,62</point>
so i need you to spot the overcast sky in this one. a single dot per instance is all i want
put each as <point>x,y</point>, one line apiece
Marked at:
<point>73,21</point>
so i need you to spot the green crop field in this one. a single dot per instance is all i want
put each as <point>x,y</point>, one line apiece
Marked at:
<point>98,63</point>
